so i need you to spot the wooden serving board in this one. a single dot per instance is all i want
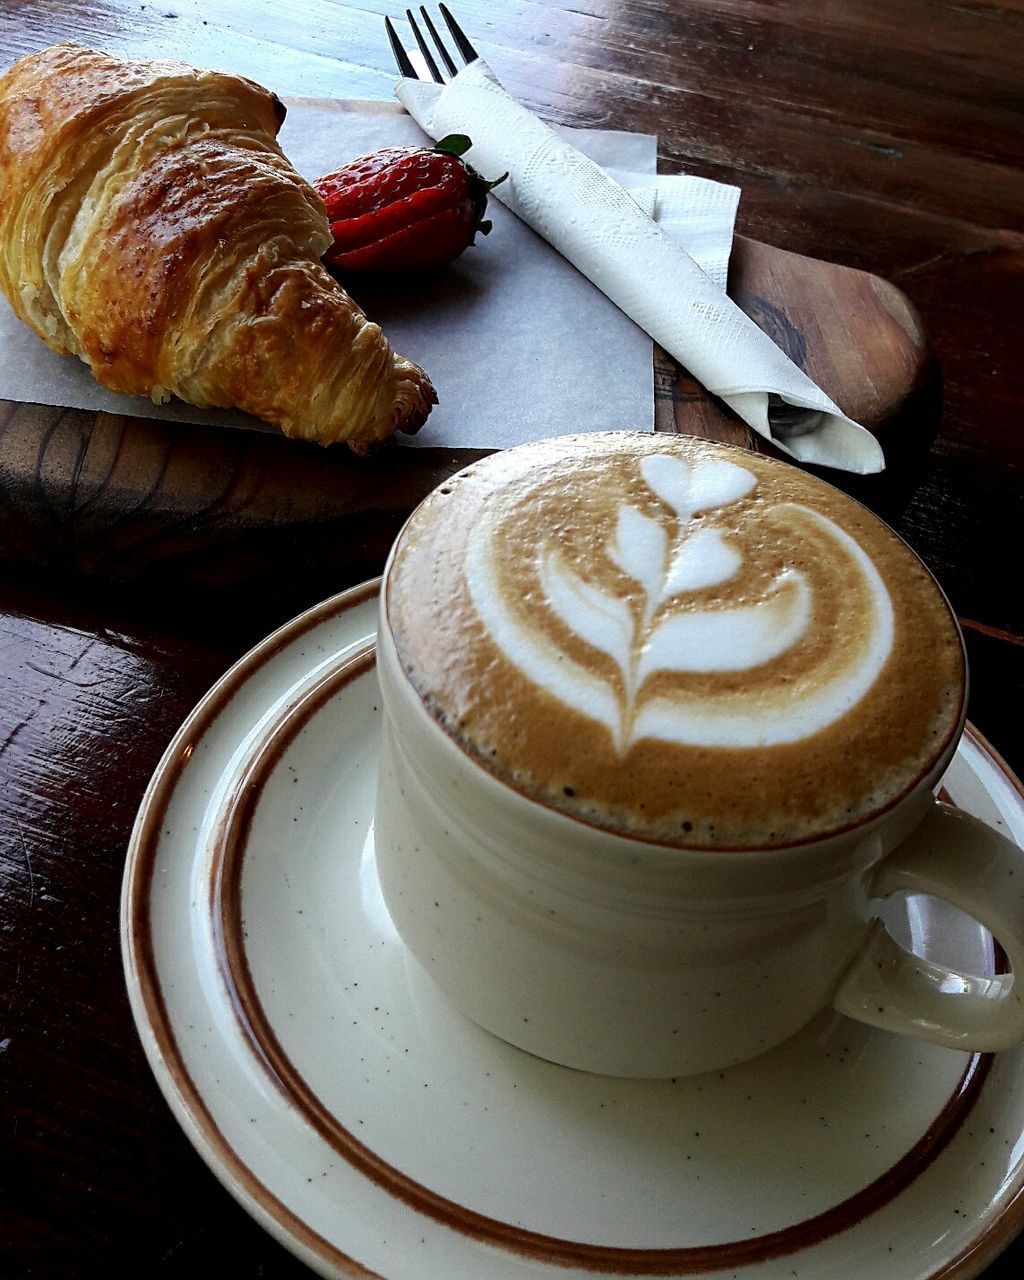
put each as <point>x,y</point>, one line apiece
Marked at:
<point>166,507</point>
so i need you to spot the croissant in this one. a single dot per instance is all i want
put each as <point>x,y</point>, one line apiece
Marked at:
<point>151,224</point>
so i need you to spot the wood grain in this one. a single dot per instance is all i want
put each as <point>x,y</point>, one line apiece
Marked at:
<point>887,139</point>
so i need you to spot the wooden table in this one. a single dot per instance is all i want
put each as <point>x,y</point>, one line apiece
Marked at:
<point>887,142</point>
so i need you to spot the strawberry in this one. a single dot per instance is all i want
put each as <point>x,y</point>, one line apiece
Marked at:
<point>404,208</point>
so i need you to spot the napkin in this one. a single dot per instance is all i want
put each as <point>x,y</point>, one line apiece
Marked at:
<point>609,236</point>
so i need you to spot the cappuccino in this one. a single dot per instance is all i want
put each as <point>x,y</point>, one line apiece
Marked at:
<point>676,640</point>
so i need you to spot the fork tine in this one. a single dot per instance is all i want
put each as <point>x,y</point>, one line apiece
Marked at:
<point>469,54</point>
<point>405,67</point>
<point>424,48</point>
<point>442,51</point>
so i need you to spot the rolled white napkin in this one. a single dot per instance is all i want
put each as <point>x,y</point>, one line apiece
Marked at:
<point>608,235</point>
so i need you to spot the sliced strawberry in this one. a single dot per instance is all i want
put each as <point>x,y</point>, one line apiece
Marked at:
<point>407,248</point>
<point>357,231</point>
<point>404,208</point>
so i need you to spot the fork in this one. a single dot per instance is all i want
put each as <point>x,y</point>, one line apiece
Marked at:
<point>462,45</point>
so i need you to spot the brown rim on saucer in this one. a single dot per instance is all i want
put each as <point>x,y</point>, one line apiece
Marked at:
<point>140,959</point>
<point>225,905</point>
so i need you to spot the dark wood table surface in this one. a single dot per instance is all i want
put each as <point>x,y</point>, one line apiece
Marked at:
<point>882,136</point>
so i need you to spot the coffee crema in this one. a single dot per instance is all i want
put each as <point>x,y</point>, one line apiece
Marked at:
<point>675,639</point>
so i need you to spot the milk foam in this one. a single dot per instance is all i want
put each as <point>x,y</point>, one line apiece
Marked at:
<point>670,561</point>
<point>676,639</point>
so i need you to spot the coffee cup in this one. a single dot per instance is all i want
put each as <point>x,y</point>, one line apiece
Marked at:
<point>663,723</point>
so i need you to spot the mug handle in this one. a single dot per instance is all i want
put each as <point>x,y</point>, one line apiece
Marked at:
<point>955,856</point>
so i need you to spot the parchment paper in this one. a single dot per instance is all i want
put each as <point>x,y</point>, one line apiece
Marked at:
<point>517,342</point>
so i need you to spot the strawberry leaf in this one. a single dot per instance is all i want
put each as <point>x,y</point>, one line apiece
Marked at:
<point>454,144</point>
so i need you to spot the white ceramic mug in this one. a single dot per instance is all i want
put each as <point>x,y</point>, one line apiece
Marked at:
<point>808,665</point>
<point>612,955</point>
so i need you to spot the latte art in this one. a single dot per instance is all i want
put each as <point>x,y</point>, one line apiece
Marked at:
<point>664,628</point>
<point>674,638</point>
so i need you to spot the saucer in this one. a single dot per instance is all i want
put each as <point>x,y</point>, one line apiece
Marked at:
<point>377,1133</point>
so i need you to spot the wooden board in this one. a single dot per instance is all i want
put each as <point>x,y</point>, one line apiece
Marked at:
<point>149,503</point>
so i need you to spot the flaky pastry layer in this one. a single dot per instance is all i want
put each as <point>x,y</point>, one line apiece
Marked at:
<point>151,225</point>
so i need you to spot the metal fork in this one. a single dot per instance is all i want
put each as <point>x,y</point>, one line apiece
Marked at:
<point>462,45</point>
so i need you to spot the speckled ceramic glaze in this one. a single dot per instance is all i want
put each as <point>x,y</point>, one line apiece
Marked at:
<point>379,1133</point>
<point>607,953</point>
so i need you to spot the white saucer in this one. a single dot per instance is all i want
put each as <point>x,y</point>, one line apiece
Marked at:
<point>377,1133</point>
